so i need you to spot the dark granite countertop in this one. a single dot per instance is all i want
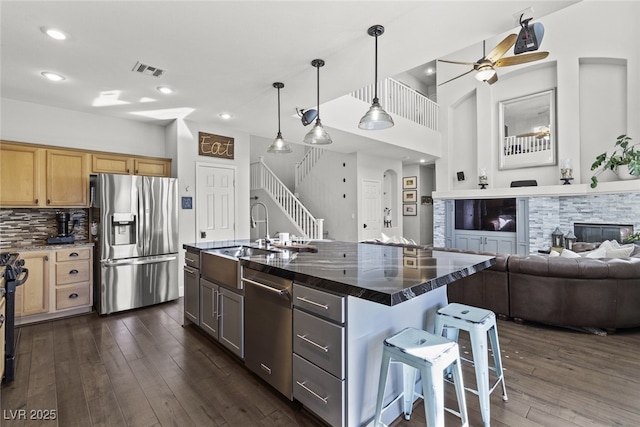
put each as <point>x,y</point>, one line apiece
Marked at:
<point>384,274</point>
<point>204,246</point>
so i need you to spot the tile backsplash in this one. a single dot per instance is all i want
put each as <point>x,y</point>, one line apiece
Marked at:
<point>29,227</point>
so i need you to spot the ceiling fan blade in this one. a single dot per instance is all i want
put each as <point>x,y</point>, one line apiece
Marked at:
<point>502,48</point>
<point>457,62</point>
<point>493,79</point>
<point>521,59</point>
<point>457,77</point>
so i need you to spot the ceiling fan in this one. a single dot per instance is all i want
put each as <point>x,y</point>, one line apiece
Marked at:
<point>486,65</point>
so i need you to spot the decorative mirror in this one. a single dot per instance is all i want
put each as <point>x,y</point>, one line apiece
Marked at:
<point>528,131</point>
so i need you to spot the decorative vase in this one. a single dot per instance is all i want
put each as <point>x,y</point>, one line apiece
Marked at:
<point>623,172</point>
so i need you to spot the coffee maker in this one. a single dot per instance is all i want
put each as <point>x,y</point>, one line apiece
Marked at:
<point>64,235</point>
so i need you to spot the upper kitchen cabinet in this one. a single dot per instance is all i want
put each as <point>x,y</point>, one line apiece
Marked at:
<point>122,164</point>
<point>111,163</point>
<point>152,167</point>
<point>21,179</point>
<point>67,178</point>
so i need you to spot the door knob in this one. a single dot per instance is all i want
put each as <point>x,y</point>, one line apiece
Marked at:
<point>203,234</point>
<point>365,226</point>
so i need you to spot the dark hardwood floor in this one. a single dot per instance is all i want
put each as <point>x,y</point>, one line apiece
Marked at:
<point>142,368</point>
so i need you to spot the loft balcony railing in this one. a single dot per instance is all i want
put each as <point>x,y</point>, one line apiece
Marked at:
<point>400,100</point>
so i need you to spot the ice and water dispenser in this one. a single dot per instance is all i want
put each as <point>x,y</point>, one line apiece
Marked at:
<point>123,229</point>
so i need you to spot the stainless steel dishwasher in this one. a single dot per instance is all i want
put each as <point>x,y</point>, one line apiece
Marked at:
<point>269,328</point>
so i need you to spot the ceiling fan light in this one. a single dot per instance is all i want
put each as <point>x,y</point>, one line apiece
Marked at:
<point>376,118</point>
<point>317,135</point>
<point>485,73</point>
<point>279,146</point>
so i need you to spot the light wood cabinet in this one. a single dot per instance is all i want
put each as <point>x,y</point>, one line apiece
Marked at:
<point>67,178</point>
<point>111,163</point>
<point>21,177</point>
<point>32,297</point>
<point>152,167</point>
<point>73,278</point>
<point>130,165</point>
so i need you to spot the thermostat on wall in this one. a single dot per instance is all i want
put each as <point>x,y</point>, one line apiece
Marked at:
<point>187,202</point>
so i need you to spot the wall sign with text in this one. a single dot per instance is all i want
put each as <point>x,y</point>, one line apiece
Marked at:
<point>213,145</point>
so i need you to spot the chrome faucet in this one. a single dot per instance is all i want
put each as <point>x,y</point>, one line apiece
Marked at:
<point>254,222</point>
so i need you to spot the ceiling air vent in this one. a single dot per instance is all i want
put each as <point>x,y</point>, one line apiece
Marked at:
<point>147,70</point>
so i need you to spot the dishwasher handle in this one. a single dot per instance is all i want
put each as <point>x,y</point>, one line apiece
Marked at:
<point>279,292</point>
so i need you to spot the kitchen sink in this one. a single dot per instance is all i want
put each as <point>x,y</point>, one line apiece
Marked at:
<point>222,266</point>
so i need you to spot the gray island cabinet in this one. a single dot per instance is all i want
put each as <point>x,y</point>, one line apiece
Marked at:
<point>347,298</point>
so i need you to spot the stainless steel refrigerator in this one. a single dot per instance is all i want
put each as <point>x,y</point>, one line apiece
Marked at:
<point>137,241</point>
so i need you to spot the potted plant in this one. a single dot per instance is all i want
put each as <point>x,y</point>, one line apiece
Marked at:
<point>632,238</point>
<point>624,156</point>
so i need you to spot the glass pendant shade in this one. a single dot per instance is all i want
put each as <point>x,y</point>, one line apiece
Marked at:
<point>317,135</point>
<point>278,146</point>
<point>376,118</point>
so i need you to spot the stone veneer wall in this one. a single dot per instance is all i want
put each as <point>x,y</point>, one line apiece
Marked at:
<point>29,227</point>
<point>547,213</point>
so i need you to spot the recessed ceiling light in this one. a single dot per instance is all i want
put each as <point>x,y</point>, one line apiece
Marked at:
<point>164,89</point>
<point>429,71</point>
<point>225,116</point>
<point>53,76</point>
<point>422,160</point>
<point>54,33</point>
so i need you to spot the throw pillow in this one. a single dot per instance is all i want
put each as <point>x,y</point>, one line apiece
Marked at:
<point>554,253</point>
<point>597,253</point>
<point>615,250</point>
<point>566,253</point>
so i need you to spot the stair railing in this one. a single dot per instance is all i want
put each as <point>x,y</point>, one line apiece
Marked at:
<point>263,178</point>
<point>307,163</point>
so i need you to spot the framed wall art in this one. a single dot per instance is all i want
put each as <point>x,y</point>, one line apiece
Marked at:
<point>409,196</point>
<point>410,209</point>
<point>409,182</point>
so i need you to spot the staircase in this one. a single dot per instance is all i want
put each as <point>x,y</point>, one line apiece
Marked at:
<point>307,163</point>
<point>263,178</point>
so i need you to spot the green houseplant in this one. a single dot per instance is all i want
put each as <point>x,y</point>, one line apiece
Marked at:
<point>624,154</point>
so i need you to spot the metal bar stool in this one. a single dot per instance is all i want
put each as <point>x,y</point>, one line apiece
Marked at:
<point>432,355</point>
<point>478,322</point>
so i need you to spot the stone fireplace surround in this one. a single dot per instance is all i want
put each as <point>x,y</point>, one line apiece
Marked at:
<point>546,212</point>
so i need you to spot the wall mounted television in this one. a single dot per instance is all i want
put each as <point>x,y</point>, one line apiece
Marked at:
<point>486,214</point>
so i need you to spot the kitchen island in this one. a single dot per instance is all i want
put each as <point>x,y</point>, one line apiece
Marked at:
<point>383,289</point>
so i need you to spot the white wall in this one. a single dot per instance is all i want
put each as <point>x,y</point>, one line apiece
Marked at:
<point>41,124</point>
<point>330,192</point>
<point>576,37</point>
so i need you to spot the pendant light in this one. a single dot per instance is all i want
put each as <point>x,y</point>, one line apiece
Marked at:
<point>317,135</point>
<point>278,146</point>
<point>376,118</point>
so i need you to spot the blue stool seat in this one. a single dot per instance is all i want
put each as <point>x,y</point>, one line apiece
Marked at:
<point>431,355</point>
<point>479,323</point>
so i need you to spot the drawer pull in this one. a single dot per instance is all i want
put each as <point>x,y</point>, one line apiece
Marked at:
<point>1,320</point>
<point>317,304</point>
<point>304,337</point>
<point>324,399</point>
<point>73,296</point>
<point>73,254</point>
<point>74,271</point>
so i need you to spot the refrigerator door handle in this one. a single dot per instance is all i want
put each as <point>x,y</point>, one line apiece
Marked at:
<point>139,261</point>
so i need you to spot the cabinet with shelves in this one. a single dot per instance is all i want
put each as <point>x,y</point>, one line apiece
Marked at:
<point>488,241</point>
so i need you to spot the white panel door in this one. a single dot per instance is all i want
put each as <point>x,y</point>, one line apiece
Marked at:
<point>215,203</point>
<point>371,210</point>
